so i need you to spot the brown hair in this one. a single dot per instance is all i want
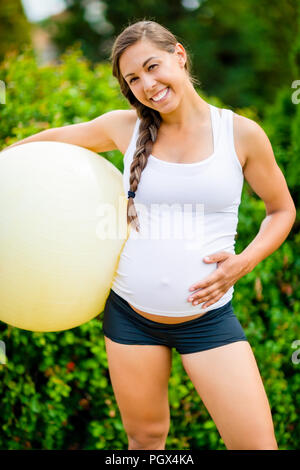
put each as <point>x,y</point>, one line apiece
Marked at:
<point>150,118</point>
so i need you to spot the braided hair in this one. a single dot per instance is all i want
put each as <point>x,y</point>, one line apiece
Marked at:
<point>151,119</point>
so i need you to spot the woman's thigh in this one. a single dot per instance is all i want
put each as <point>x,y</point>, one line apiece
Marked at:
<point>229,383</point>
<point>139,375</point>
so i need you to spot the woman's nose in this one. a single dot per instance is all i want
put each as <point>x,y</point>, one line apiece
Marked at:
<point>150,86</point>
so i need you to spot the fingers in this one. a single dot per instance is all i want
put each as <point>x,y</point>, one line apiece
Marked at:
<point>216,277</point>
<point>212,301</point>
<point>203,294</point>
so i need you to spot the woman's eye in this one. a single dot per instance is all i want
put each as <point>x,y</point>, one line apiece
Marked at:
<point>153,65</point>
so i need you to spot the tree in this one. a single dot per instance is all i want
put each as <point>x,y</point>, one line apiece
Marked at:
<point>15,29</point>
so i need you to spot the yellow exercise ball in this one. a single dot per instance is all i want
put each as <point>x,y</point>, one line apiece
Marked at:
<point>63,227</point>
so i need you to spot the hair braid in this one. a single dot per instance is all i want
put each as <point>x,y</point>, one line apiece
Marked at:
<point>148,129</point>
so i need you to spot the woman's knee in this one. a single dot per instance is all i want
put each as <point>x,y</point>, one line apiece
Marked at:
<point>153,439</point>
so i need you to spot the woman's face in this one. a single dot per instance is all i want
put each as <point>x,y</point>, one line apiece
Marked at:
<point>147,78</point>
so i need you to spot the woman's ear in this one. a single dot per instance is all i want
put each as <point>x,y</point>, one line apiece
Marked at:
<point>181,54</point>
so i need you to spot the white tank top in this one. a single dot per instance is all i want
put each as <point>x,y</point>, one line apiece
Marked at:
<point>186,211</point>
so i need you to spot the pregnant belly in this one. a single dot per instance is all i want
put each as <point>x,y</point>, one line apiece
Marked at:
<point>155,278</point>
<point>166,319</point>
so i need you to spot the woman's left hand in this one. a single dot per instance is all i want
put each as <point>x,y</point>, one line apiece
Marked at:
<point>231,268</point>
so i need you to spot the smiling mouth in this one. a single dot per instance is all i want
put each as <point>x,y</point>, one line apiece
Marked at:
<point>165,91</point>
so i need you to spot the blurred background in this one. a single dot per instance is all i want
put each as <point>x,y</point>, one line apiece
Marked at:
<point>55,388</point>
<point>242,51</point>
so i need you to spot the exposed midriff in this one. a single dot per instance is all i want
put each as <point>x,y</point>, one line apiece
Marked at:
<point>165,319</point>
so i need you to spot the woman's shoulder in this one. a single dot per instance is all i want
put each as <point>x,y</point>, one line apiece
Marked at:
<point>244,125</point>
<point>122,127</point>
<point>244,131</point>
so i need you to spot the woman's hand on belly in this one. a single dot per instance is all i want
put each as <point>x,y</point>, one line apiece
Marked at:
<point>231,268</point>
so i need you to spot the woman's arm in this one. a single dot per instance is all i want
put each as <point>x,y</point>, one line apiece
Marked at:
<point>268,182</point>
<point>98,135</point>
<point>265,177</point>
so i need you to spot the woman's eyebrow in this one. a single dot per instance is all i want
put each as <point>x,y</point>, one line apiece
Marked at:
<point>145,63</point>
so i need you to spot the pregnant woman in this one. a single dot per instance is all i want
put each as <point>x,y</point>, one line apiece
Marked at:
<point>185,161</point>
<point>186,153</point>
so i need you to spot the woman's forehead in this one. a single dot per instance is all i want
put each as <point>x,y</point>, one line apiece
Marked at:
<point>135,57</point>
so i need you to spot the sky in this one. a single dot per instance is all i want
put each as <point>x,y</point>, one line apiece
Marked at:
<point>37,10</point>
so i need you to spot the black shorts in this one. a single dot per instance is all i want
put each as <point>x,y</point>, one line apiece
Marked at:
<point>216,327</point>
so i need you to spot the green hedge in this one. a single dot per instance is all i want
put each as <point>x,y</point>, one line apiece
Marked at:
<point>55,388</point>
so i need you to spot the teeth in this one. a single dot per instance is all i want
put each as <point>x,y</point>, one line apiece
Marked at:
<point>161,95</point>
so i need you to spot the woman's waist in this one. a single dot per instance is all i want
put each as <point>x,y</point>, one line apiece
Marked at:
<point>165,319</point>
